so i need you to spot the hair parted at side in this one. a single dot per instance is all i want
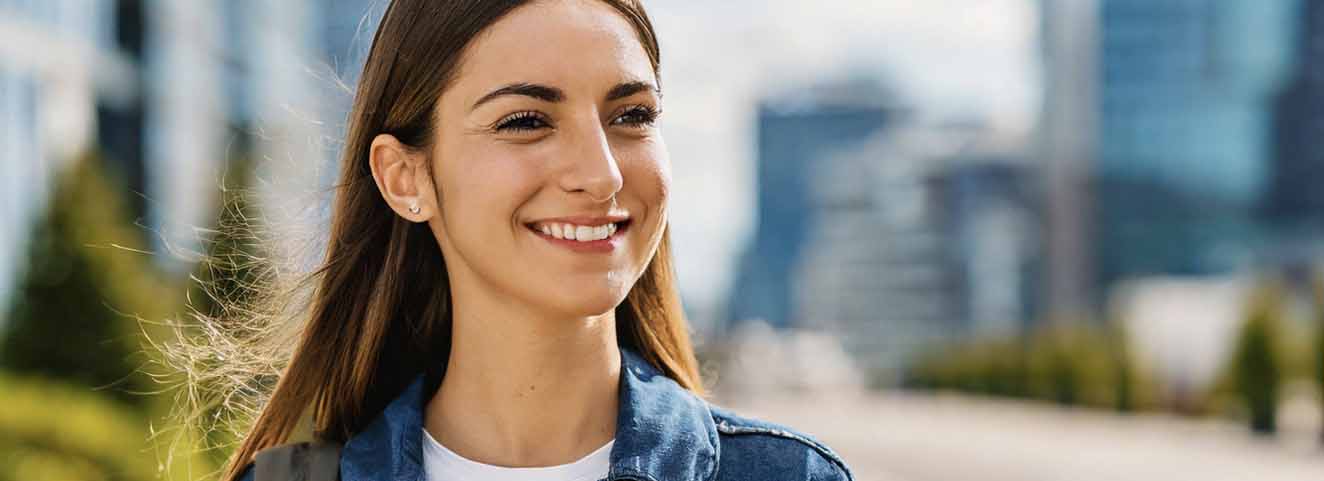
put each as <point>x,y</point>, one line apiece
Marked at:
<point>380,310</point>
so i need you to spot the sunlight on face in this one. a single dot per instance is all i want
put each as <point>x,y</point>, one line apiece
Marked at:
<point>551,116</point>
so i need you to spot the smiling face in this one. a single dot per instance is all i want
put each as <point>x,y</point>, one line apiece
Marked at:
<point>550,121</point>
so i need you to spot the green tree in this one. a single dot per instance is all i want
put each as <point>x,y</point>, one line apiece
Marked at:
<point>79,400</point>
<point>86,285</point>
<point>1319,343</point>
<point>1257,366</point>
<point>1123,368</point>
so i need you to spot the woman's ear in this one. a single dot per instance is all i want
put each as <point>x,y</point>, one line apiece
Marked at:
<point>402,177</point>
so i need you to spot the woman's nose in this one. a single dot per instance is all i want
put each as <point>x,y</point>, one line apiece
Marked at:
<point>592,166</point>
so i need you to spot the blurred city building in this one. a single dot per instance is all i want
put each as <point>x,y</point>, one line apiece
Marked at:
<point>1295,201</point>
<point>165,94</point>
<point>872,269</point>
<point>188,117</point>
<point>291,68</point>
<point>1067,139</point>
<point>992,213</point>
<point>1184,137</point>
<point>892,234</point>
<point>921,235</point>
<point>795,132</point>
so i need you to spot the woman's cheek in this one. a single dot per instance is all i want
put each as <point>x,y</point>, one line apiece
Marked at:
<point>648,163</point>
<point>658,172</point>
<point>652,183</point>
<point>505,179</point>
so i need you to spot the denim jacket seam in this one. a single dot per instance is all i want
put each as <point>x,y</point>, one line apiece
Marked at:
<point>618,473</point>
<point>726,427</point>
<point>397,470</point>
<point>715,437</point>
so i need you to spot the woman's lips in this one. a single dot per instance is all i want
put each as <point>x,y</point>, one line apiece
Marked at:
<point>600,246</point>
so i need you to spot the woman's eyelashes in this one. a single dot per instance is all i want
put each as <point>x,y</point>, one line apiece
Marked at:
<point>528,121</point>
<point>521,122</point>
<point>638,116</point>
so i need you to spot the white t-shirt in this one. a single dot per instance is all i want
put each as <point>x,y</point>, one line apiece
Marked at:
<point>441,464</point>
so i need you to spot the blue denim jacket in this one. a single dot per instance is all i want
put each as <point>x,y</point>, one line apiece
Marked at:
<point>663,433</point>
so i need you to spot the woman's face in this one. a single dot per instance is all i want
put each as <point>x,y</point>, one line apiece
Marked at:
<point>550,125</point>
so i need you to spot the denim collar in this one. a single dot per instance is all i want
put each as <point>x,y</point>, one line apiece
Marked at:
<point>663,433</point>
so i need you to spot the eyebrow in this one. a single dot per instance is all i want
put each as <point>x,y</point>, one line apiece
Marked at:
<point>627,89</point>
<point>553,94</point>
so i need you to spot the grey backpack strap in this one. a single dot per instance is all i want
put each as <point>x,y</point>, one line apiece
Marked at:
<point>307,461</point>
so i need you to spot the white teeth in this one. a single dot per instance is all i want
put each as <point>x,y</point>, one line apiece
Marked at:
<point>578,232</point>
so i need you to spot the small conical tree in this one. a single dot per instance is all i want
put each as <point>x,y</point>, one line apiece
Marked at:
<point>1319,343</point>
<point>1257,365</point>
<point>87,282</point>
<point>1123,370</point>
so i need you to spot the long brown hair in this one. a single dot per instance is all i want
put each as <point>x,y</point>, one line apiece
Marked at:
<point>381,309</point>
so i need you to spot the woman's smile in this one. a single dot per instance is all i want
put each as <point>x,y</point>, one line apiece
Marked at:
<point>600,235</point>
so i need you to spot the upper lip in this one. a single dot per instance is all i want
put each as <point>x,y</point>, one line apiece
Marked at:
<point>584,220</point>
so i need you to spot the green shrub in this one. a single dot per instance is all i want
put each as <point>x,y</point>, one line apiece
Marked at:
<point>1069,365</point>
<point>1318,344</point>
<point>1257,370</point>
<point>51,430</point>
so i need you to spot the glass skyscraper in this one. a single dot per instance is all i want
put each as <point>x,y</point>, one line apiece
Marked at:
<point>1185,133</point>
<point>794,133</point>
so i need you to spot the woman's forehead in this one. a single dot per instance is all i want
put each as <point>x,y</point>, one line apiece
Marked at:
<point>579,46</point>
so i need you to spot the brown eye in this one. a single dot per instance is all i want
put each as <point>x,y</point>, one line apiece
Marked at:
<point>637,116</point>
<point>521,122</point>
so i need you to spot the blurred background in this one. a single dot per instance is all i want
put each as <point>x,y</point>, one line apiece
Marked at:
<point>1004,239</point>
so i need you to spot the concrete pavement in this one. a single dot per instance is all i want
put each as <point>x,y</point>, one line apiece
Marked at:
<point>898,436</point>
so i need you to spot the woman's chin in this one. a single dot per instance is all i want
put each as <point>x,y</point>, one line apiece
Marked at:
<point>588,302</point>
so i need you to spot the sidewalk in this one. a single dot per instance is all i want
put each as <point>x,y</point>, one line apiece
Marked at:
<point>918,437</point>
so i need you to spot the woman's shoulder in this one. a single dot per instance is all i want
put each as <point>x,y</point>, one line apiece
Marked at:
<point>753,448</point>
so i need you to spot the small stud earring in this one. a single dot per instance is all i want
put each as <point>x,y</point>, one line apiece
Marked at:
<point>413,209</point>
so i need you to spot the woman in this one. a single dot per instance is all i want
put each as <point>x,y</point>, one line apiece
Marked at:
<point>497,301</point>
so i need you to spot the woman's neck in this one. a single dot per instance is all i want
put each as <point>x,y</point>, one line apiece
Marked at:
<point>524,391</point>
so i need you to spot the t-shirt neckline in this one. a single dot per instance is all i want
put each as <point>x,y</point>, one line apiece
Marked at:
<point>442,463</point>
